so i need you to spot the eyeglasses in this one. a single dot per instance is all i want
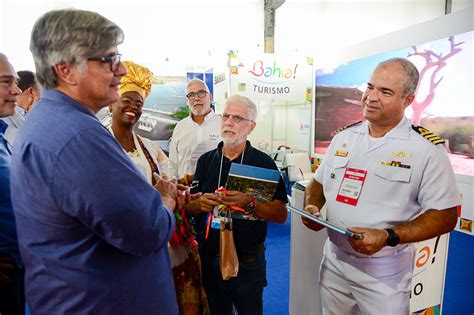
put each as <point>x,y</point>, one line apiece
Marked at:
<point>8,82</point>
<point>192,95</point>
<point>113,61</point>
<point>235,118</point>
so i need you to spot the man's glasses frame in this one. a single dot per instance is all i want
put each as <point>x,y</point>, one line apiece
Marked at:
<point>113,61</point>
<point>9,81</point>
<point>235,118</point>
<point>192,95</point>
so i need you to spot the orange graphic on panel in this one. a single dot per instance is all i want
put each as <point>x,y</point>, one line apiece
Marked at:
<point>465,224</point>
<point>433,310</point>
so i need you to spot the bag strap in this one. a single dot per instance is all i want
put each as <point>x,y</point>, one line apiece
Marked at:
<point>153,166</point>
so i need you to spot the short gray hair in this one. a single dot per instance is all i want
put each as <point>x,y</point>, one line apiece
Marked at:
<point>411,77</point>
<point>197,81</point>
<point>3,56</point>
<point>70,36</point>
<point>251,106</point>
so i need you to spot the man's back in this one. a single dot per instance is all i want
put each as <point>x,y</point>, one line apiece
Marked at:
<point>93,232</point>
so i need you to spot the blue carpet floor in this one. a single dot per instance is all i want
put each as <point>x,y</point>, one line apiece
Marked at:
<point>275,295</point>
<point>459,288</point>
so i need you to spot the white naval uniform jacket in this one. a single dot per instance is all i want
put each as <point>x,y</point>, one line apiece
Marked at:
<point>390,195</point>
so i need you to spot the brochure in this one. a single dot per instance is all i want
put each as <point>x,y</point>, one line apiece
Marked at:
<point>258,182</point>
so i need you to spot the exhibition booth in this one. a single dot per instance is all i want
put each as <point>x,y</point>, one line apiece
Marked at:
<point>301,102</point>
<point>442,50</point>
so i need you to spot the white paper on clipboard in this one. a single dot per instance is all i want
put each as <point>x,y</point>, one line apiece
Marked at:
<point>327,224</point>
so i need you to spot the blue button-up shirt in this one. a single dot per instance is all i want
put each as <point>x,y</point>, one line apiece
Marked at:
<point>8,241</point>
<point>92,232</point>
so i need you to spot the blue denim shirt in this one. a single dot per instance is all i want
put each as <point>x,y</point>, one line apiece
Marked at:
<point>93,232</point>
<point>8,241</point>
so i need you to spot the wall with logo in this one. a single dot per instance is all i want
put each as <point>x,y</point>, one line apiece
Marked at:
<point>282,88</point>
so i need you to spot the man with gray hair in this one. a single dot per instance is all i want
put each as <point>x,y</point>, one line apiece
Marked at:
<point>93,233</point>
<point>389,181</point>
<point>195,134</point>
<point>12,297</point>
<point>246,290</point>
<point>30,94</point>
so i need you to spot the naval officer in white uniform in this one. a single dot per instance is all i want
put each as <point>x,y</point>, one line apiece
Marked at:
<point>390,181</point>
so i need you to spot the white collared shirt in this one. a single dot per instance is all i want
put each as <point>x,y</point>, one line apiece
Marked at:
<point>14,124</point>
<point>390,195</point>
<point>190,140</point>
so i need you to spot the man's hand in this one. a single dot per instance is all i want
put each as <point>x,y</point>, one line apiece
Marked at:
<point>6,263</point>
<point>195,196</point>
<point>186,192</point>
<point>236,199</point>
<point>187,179</point>
<point>204,203</point>
<point>167,190</point>
<point>185,196</point>
<point>181,198</point>
<point>373,241</point>
<point>311,224</point>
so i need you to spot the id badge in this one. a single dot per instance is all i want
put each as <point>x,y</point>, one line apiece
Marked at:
<point>351,186</point>
<point>216,219</point>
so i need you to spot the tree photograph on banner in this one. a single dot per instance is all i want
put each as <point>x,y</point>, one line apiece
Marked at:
<point>443,102</point>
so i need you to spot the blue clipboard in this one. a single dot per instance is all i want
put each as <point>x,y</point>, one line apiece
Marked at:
<point>327,224</point>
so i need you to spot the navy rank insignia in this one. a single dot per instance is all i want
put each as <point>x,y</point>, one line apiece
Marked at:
<point>341,153</point>
<point>425,133</point>
<point>348,126</point>
<point>396,164</point>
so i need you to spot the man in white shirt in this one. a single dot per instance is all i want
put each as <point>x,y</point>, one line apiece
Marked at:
<point>194,135</point>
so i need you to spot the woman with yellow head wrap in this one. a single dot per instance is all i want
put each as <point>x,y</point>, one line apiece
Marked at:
<point>135,86</point>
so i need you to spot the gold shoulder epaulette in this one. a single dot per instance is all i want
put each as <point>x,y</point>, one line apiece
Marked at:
<point>425,133</point>
<point>348,126</point>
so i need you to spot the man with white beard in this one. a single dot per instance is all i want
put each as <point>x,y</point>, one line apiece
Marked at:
<point>246,290</point>
<point>195,134</point>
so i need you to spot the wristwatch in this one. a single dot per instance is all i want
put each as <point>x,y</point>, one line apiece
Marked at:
<point>393,238</point>
<point>250,208</point>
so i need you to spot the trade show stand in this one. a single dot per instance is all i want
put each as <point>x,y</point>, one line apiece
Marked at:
<point>307,251</point>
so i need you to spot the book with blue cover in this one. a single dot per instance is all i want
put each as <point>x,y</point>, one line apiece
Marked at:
<point>261,183</point>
